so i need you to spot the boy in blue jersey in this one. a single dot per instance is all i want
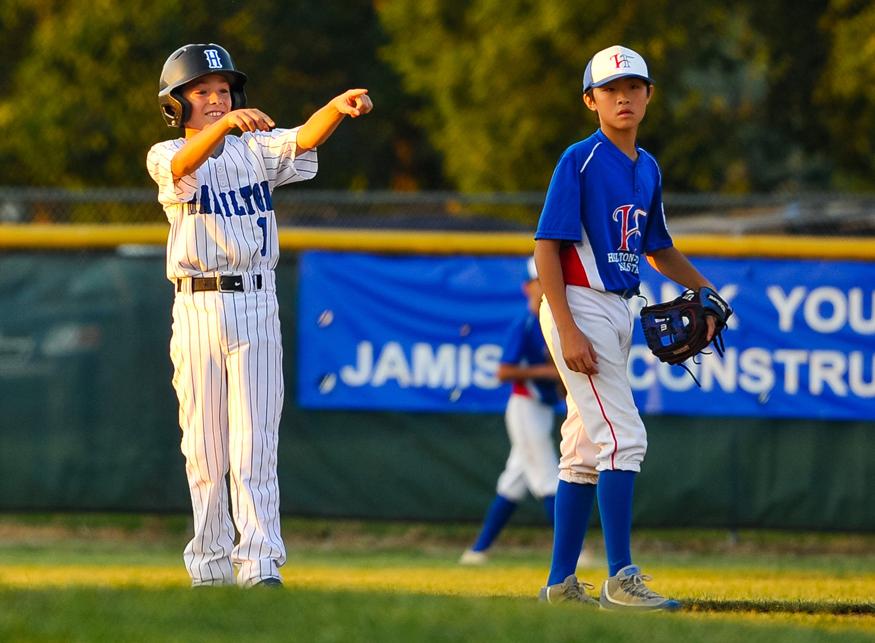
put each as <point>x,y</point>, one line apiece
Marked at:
<point>532,464</point>
<point>603,211</point>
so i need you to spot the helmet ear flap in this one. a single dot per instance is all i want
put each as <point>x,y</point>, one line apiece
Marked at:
<point>238,97</point>
<point>183,109</point>
<point>175,109</point>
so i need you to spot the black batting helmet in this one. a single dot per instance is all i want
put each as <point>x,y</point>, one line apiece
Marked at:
<point>190,62</point>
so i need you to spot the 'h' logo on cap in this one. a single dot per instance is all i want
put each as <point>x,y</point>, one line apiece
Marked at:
<point>622,61</point>
<point>613,63</point>
<point>213,59</point>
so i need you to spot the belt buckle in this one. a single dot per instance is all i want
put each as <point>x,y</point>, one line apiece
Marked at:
<point>236,283</point>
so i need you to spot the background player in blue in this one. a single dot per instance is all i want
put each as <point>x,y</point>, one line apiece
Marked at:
<point>603,210</point>
<point>532,463</point>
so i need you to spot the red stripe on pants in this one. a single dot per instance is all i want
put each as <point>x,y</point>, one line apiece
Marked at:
<point>604,415</point>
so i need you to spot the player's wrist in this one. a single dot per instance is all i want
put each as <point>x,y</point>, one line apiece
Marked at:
<point>566,330</point>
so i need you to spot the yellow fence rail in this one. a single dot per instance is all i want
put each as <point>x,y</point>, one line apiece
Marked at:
<point>78,237</point>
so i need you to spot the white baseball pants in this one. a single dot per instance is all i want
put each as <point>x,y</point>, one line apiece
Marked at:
<point>606,413</point>
<point>532,462</point>
<point>227,355</point>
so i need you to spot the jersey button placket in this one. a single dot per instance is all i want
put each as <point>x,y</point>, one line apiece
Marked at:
<point>635,183</point>
<point>222,175</point>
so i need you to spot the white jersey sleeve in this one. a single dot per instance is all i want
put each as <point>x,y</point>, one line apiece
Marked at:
<point>278,148</point>
<point>158,163</point>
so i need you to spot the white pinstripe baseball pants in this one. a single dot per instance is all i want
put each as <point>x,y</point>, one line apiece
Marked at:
<point>227,355</point>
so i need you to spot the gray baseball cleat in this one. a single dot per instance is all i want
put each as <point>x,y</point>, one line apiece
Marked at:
<point>627,591</point>
<point>568,590</point>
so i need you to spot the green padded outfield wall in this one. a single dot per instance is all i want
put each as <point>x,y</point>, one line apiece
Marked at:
<point>88,422</point>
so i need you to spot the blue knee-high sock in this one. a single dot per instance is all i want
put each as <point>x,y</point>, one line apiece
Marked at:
<point>615,506</point>
<point>550,508</point>
<point>496,518</point>
<point>573,509</point>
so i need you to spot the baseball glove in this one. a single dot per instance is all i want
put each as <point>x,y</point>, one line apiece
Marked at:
<point>676,330</point>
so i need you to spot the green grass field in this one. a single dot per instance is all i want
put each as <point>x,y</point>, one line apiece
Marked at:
<point>111,578</point>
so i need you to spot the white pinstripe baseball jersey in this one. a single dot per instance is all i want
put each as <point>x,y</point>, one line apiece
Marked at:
<point>221,217</point>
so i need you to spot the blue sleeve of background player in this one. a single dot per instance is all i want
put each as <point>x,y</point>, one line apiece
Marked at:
<point>657,236</point>
<point>514,342</point>
<point>560,218</point>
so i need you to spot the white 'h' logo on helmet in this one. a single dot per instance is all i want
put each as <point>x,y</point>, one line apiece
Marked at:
<point>213,60</point>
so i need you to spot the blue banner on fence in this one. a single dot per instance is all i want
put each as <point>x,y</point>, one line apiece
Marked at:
<point>407,333</point>
<point>425,334</point>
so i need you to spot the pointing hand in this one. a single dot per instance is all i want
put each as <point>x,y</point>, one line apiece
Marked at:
<point>353,102</point>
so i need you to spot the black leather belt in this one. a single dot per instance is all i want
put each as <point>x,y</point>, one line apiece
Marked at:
<point>222,283</point>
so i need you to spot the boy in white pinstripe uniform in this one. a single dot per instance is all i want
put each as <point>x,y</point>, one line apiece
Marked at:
<point>222,249</point>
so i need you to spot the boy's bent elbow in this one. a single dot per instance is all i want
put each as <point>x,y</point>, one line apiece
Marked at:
<point>662,252</point>
<point>178,170</point>
<point>181,165</point>
<point>303,139</point>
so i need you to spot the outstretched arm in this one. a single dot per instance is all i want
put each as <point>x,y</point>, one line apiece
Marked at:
<point>508,372</point>
<point>325,120</point>
<point>198,148</point>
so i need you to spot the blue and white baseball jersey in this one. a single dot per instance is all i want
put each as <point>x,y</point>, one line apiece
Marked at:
<point>525,346</point>
<point>221,216</point>
<point>609,208</point>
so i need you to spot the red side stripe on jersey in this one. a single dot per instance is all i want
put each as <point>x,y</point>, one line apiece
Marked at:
<point>519,388</point>
<point>604,415</point>
<point>572,268</point>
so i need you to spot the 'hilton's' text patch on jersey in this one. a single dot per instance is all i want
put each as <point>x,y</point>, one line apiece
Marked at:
<point>221,217</point>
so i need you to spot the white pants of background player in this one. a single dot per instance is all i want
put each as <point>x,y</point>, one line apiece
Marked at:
<point>532,462</point>
<point>607,420</point>
<point>227,355</point>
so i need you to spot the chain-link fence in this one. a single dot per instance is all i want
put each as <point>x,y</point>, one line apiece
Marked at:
<point>829,214</point>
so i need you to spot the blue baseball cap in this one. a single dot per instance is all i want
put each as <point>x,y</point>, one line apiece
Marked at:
<point>613,63</point>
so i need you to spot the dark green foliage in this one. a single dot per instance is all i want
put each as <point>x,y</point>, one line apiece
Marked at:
<point>80,101</point>
<point>734,109</point>
<point>479,95</point>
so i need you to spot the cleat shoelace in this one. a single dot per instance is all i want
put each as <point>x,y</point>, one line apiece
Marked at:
<point>575,592</point>
<point>635,586</point>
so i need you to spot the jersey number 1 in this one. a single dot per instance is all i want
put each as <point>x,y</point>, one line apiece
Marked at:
<point>262,223</point>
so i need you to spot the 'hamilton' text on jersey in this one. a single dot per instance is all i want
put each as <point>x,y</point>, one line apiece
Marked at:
<point>256,196</point>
